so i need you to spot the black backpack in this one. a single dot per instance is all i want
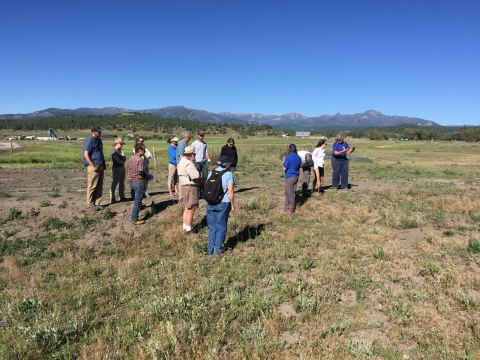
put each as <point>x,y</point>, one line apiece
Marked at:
<point>213,189</point>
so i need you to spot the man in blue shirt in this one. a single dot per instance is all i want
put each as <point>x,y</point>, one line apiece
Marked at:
<point>94,161</point>
<point>291,166</point>
<point>340,149</point>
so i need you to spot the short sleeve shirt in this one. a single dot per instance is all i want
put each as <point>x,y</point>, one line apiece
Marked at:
<point>180,149</point>
<point>227,178</point>
<point>339,147</point>
<point>292,163</point>
<point>94,146</point>
<point>187,172</point>
<point>201,150</point>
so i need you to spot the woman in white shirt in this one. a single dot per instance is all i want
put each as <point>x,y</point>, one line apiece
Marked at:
<point>318,156</point>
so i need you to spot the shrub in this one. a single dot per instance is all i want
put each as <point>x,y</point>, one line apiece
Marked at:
<point>474,245</point>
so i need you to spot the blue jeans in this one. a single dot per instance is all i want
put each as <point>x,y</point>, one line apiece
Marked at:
<point>217,218</point>
<point>340,169</point>
<point>137,190</point>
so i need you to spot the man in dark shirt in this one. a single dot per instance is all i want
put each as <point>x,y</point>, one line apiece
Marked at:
<point>138,177</point>
<point>94,161</point>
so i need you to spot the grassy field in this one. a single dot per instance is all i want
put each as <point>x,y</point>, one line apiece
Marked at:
<point>388,270</point>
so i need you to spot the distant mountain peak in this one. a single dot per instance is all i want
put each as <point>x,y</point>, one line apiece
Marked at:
<point>292,120</point>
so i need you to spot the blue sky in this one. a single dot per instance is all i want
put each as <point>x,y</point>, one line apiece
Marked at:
<point>399,57</point>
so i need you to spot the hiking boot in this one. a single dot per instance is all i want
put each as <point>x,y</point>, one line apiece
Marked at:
<point>139,222</point>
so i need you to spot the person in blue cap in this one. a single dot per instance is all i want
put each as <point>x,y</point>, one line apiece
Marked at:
<point>291,166</point>
<point>94,161</point>
<point>217,214</point>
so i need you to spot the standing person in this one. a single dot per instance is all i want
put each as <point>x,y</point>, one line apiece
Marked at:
<point>190,181</point>
<point>319,164</point>
<point>231,151</point>
<point>118,170</point>
<point>172,166</point>
<point>94,161</point>
<point>182,144</point>
<point>146,158</point>
<point>340,162</point>
<point>138,177</point>
<point>217,214</point>
<point>306,166</point>
<point>202,158</point>
<point>291,166</point>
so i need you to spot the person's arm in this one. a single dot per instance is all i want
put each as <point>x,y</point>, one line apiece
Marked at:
<point>199,181</point>
<point>118,158</point>
<point>231,196</point>
<point>207,155</point>
<point>89,160</point>
<point>350,150</point>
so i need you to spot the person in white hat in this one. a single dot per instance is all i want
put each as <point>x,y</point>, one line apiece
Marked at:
<point>190,181</point>
<point>118,170</point>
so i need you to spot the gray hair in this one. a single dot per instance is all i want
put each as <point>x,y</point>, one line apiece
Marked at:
<point>184,134</point>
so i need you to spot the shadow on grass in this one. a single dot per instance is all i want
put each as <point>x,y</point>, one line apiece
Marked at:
<point>248,233</point>
<point>157,208</point>
<point>245,189</point>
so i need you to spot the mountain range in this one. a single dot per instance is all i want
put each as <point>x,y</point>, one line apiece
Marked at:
<point>292,120</point>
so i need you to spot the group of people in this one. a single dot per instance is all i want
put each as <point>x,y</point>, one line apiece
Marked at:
<point>187,174</point>
<point>293,160</point>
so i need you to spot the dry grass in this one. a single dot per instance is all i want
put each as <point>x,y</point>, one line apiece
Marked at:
<point>382,271</point>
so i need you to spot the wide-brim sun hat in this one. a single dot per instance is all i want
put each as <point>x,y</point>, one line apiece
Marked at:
<point>189,150</point>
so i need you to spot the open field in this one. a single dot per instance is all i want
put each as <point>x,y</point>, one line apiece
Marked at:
<point>387,270</point>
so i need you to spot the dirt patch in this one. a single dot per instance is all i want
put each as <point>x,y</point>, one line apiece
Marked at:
<point>369,336</point>
<point>287,310</point>
<point>8,146</point>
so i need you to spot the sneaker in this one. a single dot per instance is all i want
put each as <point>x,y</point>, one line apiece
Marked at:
<point>139,222</point>
<point>123,199</point>
<point>95,208</point>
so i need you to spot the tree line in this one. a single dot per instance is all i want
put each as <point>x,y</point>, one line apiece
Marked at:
<point>134,122</point>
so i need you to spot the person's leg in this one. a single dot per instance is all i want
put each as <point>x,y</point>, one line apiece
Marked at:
<point>287,196</point>
<point>222,220</point>
<point>189,217</point>
<point>306,179</point>
<point>344,174</point>
<point>171,174</point>
<point>175,181</point>
<point>115,182</point>
<point>121,183</point>
<point>290,185</point>
<point>212,228</point>
<point>99,188</point>
<point>294,181</point>
<point>322,174</point>
<point>92,181</point>
<point>139,190</point>
<point>204,172</point>
<point>336,173</point>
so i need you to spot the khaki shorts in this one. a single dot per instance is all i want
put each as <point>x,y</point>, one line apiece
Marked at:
<point>190,196</point>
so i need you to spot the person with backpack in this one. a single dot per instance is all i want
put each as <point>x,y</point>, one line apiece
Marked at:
<point>218,192</point>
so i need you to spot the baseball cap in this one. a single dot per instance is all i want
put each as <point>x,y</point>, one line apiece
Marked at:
<point>224,159</point>
<point>201,133</point>
<point>174,139</point>
<point>96,128</point>
<point>292,146</point>
<point>189,150</point>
